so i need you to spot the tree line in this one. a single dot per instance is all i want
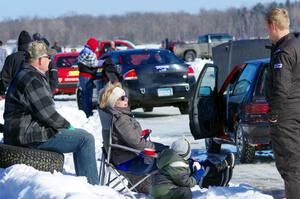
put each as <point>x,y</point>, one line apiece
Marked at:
<point>150,27</point>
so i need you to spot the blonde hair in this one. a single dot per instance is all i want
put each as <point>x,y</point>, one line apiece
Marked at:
<point>280,16</point>
<point>104,94</point>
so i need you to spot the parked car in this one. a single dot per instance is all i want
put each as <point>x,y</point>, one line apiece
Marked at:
<point>203,47</point>
<point>235,113</point>
<point>153,78</point>
<point>67,69</point>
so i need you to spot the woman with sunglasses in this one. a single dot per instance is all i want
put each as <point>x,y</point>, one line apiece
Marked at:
<point>126,129</point>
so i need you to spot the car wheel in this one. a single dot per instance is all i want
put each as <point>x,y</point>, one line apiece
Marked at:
<point>79,99</point>
<point>189,56</point>
<point>212,146</point>
<point>184,108</point>
<point>147,109</point>
<point>245,152</point>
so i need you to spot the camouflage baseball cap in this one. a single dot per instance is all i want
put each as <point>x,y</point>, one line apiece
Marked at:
<point>39,49</point>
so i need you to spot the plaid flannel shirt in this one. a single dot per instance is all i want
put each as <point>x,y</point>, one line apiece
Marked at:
<point>30,114</point>
<point>88,58</point>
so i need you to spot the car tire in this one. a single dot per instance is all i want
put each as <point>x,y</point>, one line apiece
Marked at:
<point>190,56</point>
<point>245,152</point>
<point>184,108</point>
<point>212,146</point>
<point>147,109</point>
<point>79,99</point>
<point>39,159</point>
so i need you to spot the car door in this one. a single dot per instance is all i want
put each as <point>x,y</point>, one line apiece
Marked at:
<point>203,114</point>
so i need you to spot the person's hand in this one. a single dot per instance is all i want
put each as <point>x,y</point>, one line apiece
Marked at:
<point>272,116</point>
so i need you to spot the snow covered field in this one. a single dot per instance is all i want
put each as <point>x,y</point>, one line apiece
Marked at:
<point>258,180</point>
<point>250,181</point>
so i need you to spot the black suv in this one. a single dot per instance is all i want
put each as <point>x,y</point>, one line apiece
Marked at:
<point>153,78</point>
<point>236,112</point>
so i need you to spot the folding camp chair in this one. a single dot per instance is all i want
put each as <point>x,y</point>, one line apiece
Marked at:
<point>110,174</point>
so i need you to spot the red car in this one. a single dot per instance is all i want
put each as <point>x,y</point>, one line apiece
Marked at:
<point>67,69</point>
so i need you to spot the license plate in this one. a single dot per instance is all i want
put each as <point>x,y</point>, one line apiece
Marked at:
<point>74,73</point>
<point>162,92</point>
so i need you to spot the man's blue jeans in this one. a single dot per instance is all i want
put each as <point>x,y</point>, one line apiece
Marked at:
<point>86,85</point>
<point>82,145</point>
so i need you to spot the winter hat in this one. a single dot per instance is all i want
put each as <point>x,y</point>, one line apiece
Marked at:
<point>182,147</point>
<point>115,95</point>
<point>36,36</point>
<point>23,40</point>
<point>92,43</point>
<point>38,49</point>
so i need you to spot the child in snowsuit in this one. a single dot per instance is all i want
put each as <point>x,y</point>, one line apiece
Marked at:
<point>178,173</point>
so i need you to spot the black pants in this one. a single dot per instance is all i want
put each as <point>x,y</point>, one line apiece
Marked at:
<point>285,137</point>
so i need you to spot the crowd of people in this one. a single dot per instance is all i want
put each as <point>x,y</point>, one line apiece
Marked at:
<point>27,80</point>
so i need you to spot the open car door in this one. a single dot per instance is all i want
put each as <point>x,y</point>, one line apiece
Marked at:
<point>203,114</point>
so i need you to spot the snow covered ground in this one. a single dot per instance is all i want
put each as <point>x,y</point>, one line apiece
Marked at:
<point>257,181</point>
<point>250,181</point>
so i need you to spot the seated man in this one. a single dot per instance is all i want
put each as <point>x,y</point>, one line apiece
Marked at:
<point>178,173</point>
<point>30,118</point>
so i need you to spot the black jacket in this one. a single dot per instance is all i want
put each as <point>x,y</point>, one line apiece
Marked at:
<point>29,113</point>
<point>284,75</point>
<point>14,61</point>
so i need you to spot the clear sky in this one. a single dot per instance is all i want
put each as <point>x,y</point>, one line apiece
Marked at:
<point>11,9</point>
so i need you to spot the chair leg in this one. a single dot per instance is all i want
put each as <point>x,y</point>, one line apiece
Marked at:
<point>102,170</point>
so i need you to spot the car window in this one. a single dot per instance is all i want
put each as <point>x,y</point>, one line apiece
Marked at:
<point>203,39</point>
<point>208,83</point>
<point>67,62</point>
<point>260,90</point>
<point>149,58</point>
<point>121,46</point>
<point>245,80</point>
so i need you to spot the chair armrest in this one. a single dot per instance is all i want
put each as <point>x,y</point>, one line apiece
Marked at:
<point>126,148</point>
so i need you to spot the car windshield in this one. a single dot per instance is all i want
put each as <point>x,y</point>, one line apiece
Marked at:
<point>245,80</point>
<point>149,58</point>
<point>66,61</point>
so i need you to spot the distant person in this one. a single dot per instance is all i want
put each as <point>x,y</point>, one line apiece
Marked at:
<point>30,118</point>
<point>13,62</point>
<point>112,46</point>
<point>88,65</point>
<point>3,54</point>
<point>284,99</point>
<point>56,47</point>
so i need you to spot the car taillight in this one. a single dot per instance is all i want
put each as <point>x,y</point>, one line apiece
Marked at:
<point>191,71</point>
<point>256,108</point>
<point>130,75</point>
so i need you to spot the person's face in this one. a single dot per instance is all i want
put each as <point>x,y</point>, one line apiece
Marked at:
<point>44,63</point>
<point>271,30</point>
<point>122,102</point>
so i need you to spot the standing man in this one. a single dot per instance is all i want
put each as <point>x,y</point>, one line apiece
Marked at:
<point>13,62</point>
<point>284,99</point>
<point>3,55</point>
<point>30,118</point>
<point>88,65</point>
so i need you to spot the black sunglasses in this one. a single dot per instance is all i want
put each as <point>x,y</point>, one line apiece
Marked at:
<point>123,98</point>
